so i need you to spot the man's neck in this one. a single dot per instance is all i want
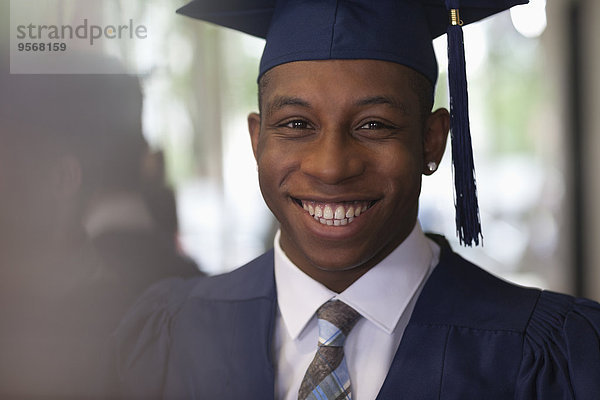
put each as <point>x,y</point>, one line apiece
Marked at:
<point>339,279</point>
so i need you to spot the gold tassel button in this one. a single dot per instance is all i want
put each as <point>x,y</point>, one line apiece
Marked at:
<point>455,17</point>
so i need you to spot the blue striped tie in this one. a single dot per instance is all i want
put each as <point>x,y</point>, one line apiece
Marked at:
<point>327,376</point>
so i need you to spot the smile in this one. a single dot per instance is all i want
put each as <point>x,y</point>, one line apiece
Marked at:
<point>335,214</point>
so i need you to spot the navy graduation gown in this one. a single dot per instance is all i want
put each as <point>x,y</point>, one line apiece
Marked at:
<point>471,336</point>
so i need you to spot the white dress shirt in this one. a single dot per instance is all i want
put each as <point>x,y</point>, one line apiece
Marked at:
<point>395,282</point>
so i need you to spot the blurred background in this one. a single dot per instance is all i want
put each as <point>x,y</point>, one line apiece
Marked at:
<point>533,88</point>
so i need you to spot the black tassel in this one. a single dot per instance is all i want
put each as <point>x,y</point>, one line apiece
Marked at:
<point>468,224</point>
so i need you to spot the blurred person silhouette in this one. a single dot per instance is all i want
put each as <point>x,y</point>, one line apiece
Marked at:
<point>131,218</point>
<point>58,301</point>
<point>67,143</point>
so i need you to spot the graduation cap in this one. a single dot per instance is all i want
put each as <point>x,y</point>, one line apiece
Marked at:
<point>399,31</point>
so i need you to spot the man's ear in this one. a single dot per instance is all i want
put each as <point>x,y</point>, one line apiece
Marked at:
<point>435,136</point>
<point>67,177</point>
<point>254,129</point>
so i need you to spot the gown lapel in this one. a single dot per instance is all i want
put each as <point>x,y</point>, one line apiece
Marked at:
<point>233,358</point>
<point>464,337</point>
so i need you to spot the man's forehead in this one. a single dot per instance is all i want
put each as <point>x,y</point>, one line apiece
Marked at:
<point>354,82</point>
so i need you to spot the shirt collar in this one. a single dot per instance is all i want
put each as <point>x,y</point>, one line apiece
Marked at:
<point>392,282</point>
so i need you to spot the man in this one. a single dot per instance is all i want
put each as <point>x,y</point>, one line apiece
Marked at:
<point>344,134</point>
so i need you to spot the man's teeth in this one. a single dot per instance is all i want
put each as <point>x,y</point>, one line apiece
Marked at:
<point>336,214</point>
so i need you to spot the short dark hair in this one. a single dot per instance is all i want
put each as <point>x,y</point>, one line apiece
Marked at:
<point>263,82</point>
<point>424,91</point>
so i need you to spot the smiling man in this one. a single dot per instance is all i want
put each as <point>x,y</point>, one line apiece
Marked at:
<point>355,301</point>
<point>341,147</point>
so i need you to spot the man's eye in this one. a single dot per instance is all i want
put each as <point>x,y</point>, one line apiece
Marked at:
<point>297,124</point>
<point>371,125</point>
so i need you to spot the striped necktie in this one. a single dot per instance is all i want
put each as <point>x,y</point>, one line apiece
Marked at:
<point>327,376</point>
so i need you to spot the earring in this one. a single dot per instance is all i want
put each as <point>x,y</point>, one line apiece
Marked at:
<point>432,166</point>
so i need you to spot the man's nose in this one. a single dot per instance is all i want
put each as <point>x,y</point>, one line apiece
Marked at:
<point>333,158</point>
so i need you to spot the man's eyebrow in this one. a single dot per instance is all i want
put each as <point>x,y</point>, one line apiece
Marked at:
<point>282,101</point>
<point>385,100</point>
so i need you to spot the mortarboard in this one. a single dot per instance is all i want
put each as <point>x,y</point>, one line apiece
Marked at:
<point>400,31</point>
